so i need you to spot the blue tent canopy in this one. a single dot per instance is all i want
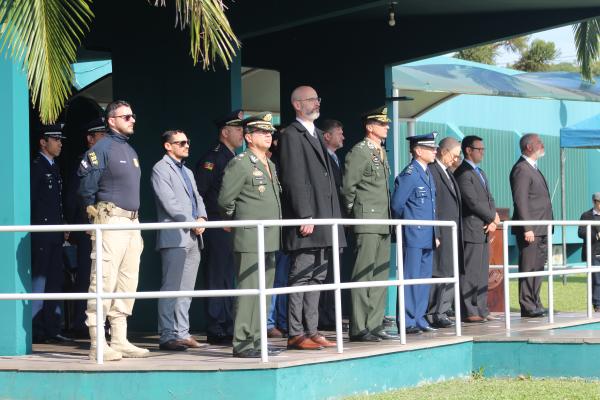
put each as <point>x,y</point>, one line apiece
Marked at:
<point>584,134</point>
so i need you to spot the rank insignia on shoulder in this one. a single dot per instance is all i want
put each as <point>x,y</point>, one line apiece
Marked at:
<point>208,165</point>
<point>253,158</point>
<point>84,164</point>
<point>136,163</point>
<point>370,145</point>
<point>408,170</point>
<point>93,158</point>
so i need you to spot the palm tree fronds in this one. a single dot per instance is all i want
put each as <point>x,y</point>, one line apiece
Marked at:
<point>43,36</point>
<point>587,42</point>
<point>211,36</point>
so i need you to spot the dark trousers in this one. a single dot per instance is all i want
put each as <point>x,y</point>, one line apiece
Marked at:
<point>595,282</point>
<point>532,257</point>
<point>327,301</point>
<point>47,276</point>
<point>82,277</point>
<point>307,267</point>
<point>220,271</point>
<point>474,280</point>
<point>417,264</point>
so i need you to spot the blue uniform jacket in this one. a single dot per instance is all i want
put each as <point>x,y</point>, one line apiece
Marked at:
<point>209,177</point>
<point>414,198</point>
<point>110,171</point>
<point>46,198</point>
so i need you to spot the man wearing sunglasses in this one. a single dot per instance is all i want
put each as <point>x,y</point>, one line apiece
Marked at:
<point>110,189</point>
<point>250,191</point>
<point>177,200</point>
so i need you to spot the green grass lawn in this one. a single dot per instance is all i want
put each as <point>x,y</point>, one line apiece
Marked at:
<point>496,389</point>
<point>569,297</point>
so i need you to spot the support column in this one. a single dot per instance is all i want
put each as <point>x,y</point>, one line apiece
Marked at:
<point>15,254</point>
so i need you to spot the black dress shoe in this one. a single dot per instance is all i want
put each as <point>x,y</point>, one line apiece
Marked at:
<point>173,345</point>
<point>219,339</point>
<point>427,328</point>
<point>450,313</point>
<point>383,335</point>
<point>249,353</point>
<point>442,322</point>
<point>412,330</point>
<point>532,314</point>
<point>366,337</point>
<point>274,351</point>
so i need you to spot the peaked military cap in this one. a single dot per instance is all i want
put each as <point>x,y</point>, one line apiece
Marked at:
<point>377,115</point>
<point>97,125</point>
<point>262,121</point>
<point>53,131</point>
<point>234,118</point>
<point>427,140</point>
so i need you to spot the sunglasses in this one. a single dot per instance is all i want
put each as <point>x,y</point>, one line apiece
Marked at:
<point>126,117</point>
<point>182,143</point>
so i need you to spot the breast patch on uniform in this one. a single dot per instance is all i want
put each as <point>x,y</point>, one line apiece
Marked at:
<point>93,158</point>
<point>208,165</point>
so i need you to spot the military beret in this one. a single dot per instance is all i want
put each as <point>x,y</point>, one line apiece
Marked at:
<point>234,118</point>
<point>377,115</point>
<point>427,140</point>
<point>97,125</point>
<point>53,131</point>
<point>262,121</point>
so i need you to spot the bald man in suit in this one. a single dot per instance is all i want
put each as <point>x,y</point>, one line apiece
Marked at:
<point>531,200</point>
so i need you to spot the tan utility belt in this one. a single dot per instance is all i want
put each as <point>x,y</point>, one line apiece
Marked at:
<point>113,211</point>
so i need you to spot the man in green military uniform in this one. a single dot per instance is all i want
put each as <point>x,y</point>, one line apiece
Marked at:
<point>366,195</point>
<point>250,191</point>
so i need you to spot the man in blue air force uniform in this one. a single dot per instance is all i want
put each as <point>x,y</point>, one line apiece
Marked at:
<point>414,199</point>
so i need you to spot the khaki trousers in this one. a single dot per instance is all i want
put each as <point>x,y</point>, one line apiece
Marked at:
<point>121,252</point>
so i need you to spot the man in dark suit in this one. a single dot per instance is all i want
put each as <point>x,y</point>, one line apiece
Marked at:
<point>479,219</point>
<point>448,208</point>
<point>592,214</point>
<point>333,136</point>
<point>309,192</point>
<point>531,200</point>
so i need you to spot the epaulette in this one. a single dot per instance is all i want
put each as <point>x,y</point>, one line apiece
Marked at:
<point>408,170</point>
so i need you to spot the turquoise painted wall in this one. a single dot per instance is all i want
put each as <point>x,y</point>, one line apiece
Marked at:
<point>314,381</point>
<point>14,247</point>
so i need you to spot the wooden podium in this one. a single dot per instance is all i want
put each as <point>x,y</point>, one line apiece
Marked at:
<point>495,298</point>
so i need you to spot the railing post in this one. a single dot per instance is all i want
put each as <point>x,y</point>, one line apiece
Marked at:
<point>456,280</point>
<point>588,254</point>
<point>100,338</point>
<point>335,252</point>
<point>550,276</point>
<point>400,274</point>
<point>262,298</point>
<point>506,276</point>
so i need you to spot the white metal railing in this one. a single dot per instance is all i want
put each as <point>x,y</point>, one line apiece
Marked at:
<point>550,272</point>
<point>262,291</point>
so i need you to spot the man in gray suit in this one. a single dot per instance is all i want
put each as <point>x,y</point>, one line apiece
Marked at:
<point>177,200</point>
<point>479,220</point>
<point>531,200</point>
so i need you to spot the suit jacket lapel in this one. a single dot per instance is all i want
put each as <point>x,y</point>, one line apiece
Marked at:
<point>424,177</point>
<point>175,169</point>
<point>447,179</point>
<point>315,142</point>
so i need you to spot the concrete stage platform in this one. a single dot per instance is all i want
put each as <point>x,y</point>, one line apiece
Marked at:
<point>531,346</point>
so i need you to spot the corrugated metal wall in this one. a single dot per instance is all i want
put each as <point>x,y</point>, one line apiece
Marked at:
<point>502,150</point>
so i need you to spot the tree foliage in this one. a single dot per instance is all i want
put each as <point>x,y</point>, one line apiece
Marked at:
<point>587,43</point>
<point>43,36</point>
<point>487,53</point>
<point>537,57</point>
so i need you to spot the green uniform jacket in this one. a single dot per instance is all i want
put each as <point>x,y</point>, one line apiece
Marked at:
<point>365,188</point>
<point>248,193</point>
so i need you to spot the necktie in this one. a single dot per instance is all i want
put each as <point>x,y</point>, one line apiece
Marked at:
<point>335,158</point>
<point>478,170</point>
